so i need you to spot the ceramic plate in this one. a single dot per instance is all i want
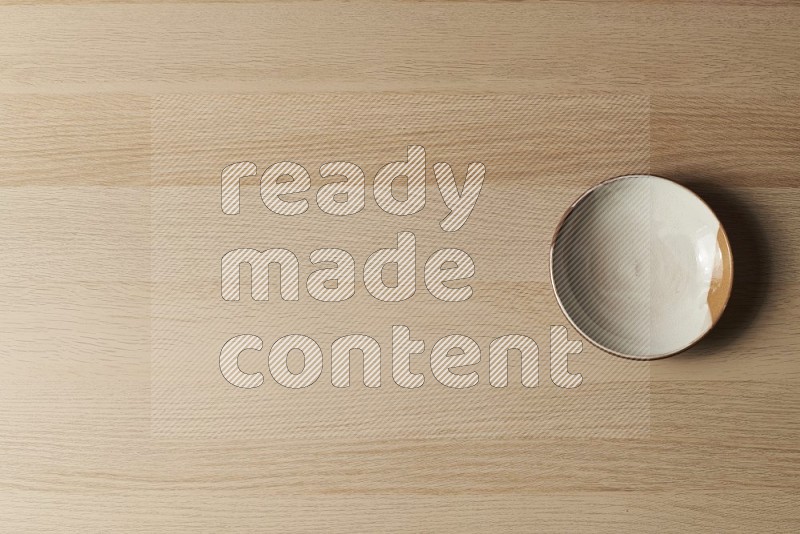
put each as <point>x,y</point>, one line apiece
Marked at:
<point>641,266</point>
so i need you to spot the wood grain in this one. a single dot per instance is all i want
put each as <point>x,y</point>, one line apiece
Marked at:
<point>79,83</point>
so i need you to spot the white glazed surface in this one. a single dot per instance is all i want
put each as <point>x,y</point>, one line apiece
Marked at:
<point>633,264</point>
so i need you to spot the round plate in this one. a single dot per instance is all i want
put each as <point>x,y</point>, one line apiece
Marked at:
<point>641,267</point>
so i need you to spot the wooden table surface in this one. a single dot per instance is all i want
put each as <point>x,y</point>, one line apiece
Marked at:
<point>553,96</point>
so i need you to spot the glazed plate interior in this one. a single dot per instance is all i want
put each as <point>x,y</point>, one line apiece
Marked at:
<point>641,267</point>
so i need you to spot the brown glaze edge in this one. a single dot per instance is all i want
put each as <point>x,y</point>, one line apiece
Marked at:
<point>720,288</point>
